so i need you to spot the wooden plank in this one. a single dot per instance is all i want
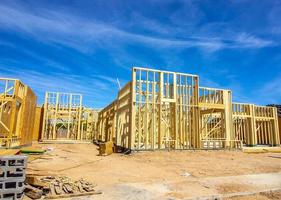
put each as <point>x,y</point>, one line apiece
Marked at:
<point>160,96</point>
<point>8,152</point>
<point>73,195</point>
<point>38,119</point>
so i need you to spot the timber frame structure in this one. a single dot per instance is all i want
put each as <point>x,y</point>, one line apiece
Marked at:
<point>62,116</point>
<point>255,125</point>
<point>17,112</point>
<point>88,123</point>
<point>65,118</point>
<point>168,110</point>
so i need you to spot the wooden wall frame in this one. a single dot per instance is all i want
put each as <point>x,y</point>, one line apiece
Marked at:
<point>255,125</point>
<point>62,116</point>
<point>168,110</point>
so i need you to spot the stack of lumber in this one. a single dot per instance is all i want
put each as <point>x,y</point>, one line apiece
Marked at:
<point>53,187</point>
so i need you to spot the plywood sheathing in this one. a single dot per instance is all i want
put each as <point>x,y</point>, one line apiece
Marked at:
<point>38,122</point>
<point>17,113</point>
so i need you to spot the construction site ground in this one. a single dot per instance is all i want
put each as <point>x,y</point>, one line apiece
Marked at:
<point>164,174</point>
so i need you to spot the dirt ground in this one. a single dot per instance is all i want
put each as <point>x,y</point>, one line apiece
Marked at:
<point>165,174</point>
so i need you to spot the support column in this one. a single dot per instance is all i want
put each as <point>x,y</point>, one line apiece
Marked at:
<point>55,119</point>
<point>44,128</point>
<point>132,111</point>
<point>227,100</point>
<point>79,118</point>
<point>252,133</point>
<point>160,110</point>
<point>69,116</point>
<point>275,137</point>
<point>196,138</point>
<point>175,110</point>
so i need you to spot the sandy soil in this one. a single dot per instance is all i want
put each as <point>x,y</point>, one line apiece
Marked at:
<point>164,174</point>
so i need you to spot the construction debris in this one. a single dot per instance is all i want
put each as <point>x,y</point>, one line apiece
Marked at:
<point>106,148</point>
<point>53,187</point>
<point>33,192</point>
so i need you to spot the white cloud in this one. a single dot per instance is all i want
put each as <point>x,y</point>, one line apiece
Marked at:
<point>93,89</point>
<point>245,40</point>
<point>58,27</point>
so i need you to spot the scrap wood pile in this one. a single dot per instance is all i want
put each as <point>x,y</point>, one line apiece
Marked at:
<point>52,187</point>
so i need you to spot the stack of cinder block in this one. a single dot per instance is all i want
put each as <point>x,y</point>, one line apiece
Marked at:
<point>12,177</point>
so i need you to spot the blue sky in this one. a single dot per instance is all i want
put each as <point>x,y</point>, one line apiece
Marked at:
<point>83,46</point>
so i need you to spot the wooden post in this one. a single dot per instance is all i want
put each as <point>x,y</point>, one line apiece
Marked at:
<point>276,139</point>
<point>227,100</point>
<point>132,132</point>
<point>79,117</point>
<point>69,116</point>
<point>196,114</point>
<point>153,112</point>
<point>160,110</point>
<point>175,110</point>
<point>146,133</point>
<point>253,132</point>
<point>55,119</point>
<point>43,136</point>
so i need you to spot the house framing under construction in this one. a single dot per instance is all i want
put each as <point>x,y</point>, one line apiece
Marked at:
<point>88,123</point>
<point>168,110</point>
<point>65,118</point>
<point>17,112</point>
<point>62,116</point>
<point>155,110</point>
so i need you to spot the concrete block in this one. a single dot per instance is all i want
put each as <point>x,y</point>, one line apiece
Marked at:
<point>12,177</point>
<point>12,196</point>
